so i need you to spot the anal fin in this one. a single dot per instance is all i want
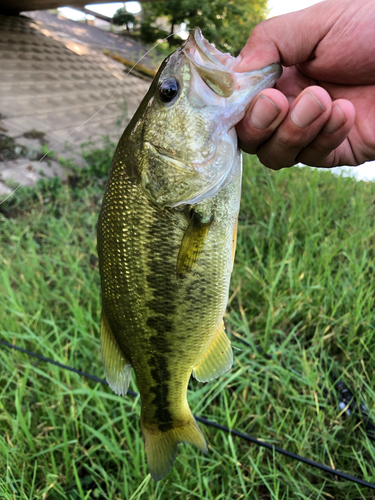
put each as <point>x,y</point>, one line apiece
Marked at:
<point>117,368</point>
<point>217,360</point>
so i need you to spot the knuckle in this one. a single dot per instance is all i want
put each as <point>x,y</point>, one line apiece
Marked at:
<point>251,139</point>
<point>247,148</point>
<point>320,148</point>
<point>287,142</point>
<point>312,156</point>
<point>259,30</point>
<point>315,160</point>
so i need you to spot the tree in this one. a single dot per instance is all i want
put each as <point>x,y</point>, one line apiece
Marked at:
<point>123,17</point>
<point>227,24</point>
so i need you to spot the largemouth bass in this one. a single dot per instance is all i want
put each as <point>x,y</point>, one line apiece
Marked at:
<point>166,239</point>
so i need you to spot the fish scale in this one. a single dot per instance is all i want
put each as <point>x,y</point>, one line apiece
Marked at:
<point>166,241</point>
<point>166,308</point>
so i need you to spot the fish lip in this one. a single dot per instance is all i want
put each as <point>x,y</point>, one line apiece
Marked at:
<point>274,69</point>
<point>214,56</point>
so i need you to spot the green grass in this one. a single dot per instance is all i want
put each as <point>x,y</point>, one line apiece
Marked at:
<point>302,289</point>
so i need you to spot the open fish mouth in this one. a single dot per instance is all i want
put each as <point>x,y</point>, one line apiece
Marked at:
<point>214,67</point>
<point>217,69</point>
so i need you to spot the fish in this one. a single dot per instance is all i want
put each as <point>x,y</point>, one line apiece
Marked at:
<point>167,237</point>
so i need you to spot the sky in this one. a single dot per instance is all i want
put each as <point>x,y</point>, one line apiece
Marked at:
<point>107,9</point>
<point>277,8</point>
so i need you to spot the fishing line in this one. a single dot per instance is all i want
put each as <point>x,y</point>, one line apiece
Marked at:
<point>210,423</point>
<point>95,114</point>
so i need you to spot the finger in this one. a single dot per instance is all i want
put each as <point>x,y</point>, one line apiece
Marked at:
<point>321,151</point>
<point>307,116</point>
<point>262,118</point>
<point>292,82</point>
<point>289,39</point>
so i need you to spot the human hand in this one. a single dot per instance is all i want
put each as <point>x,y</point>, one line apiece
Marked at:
<point>322,111</point>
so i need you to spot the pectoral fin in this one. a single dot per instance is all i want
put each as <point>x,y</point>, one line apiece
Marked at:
<point>117,368</point>
<point>217,360</point>
<point>192,244</point>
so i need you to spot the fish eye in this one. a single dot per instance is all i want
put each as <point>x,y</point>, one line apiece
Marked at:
<point>168,90</point>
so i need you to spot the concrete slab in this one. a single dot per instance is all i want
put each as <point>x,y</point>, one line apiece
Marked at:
<point>54,79</point>
<point>27,173</point>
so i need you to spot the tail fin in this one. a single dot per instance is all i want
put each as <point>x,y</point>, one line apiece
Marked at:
<point>161,447</point>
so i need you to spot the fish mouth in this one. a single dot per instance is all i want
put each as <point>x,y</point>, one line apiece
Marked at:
<point>189,177</point>
<point>217,69</point>
<point>214,67</point>
<point>208,52</point>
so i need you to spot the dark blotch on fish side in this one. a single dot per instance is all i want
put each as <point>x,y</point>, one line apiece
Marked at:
<point>160,324</point>
<point>197,288</point>
<point>160,390</point>
<point>161,308</point>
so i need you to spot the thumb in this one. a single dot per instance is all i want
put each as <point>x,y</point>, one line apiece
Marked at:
<point>289,39</point>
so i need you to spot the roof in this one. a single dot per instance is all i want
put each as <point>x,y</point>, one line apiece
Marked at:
<point>16,6</point>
